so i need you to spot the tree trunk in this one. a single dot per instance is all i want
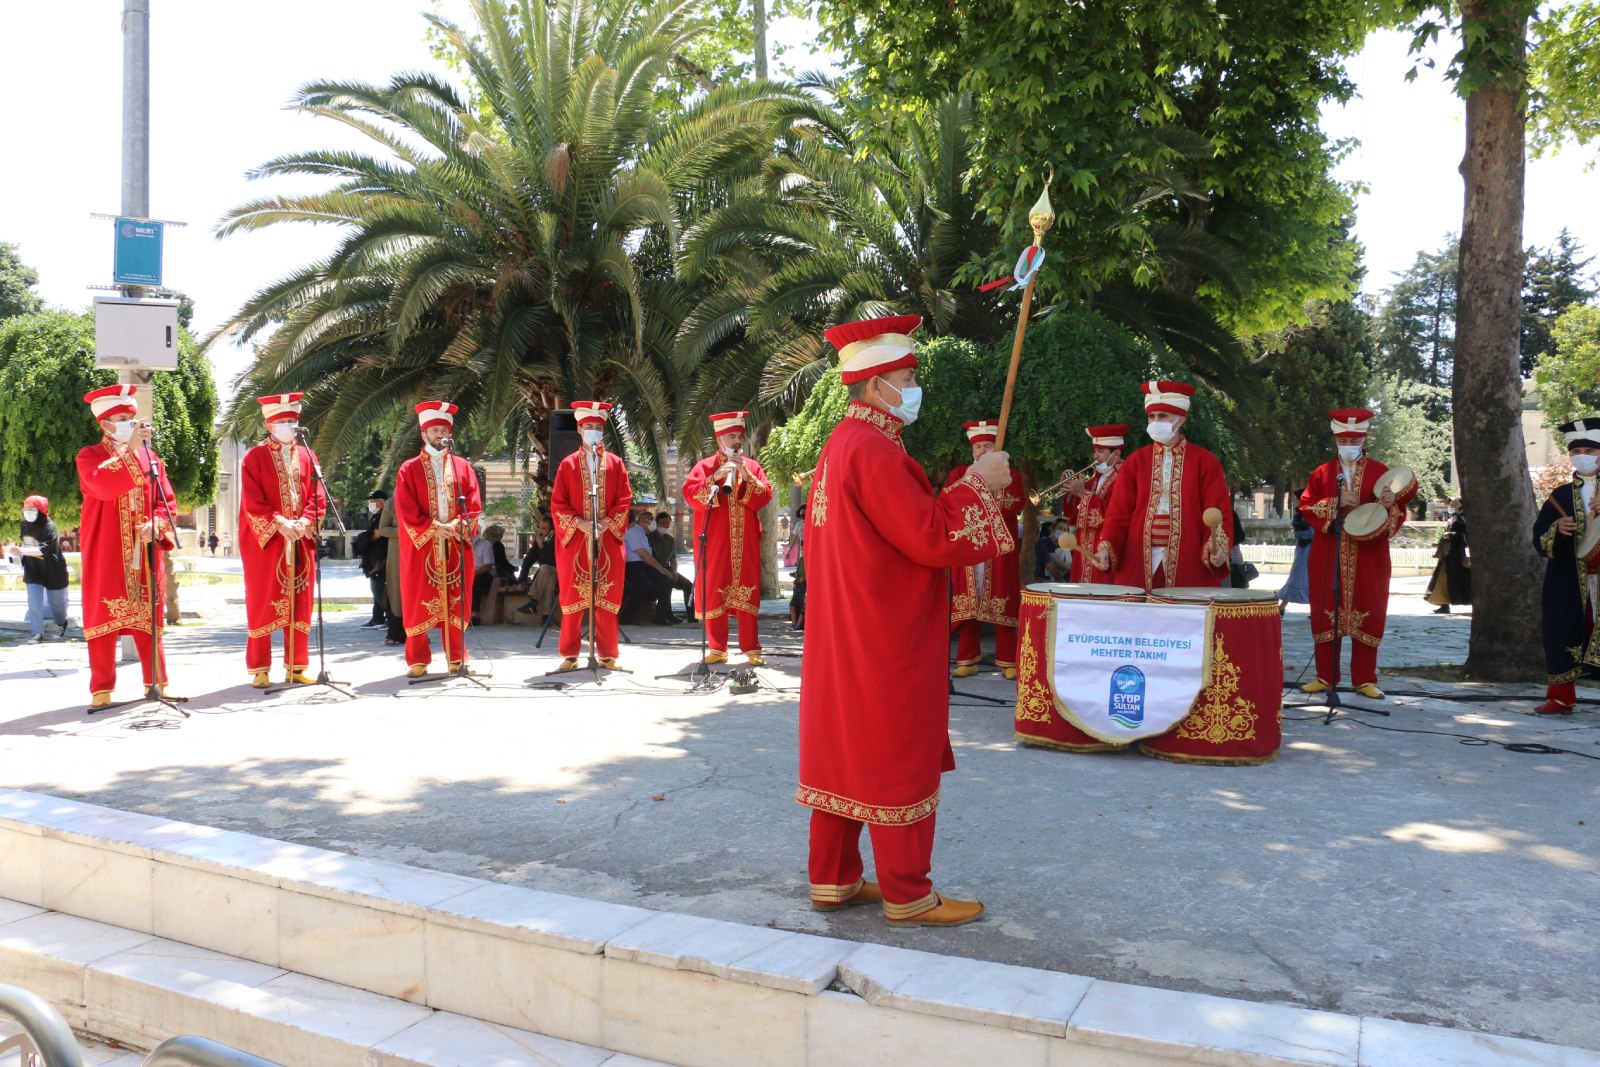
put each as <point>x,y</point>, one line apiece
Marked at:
<point>769,549</point>
<point>1491,452</point>
<point>759,17</point>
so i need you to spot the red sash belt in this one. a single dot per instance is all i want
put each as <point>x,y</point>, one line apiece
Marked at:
<point>1160,531</point>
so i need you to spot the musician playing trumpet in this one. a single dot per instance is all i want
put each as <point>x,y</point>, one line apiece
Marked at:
<point>1566,523</point>
<point>1336,491</point>
<point>989,591</point>
<point>1087,497</point>
<point>727,490</point>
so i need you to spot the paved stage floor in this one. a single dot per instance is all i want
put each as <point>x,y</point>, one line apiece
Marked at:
<point>1403,874</point>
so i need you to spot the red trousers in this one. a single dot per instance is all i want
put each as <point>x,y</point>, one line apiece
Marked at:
<point>296,654</point>
<point>419,648</point>
<point>904,856</point>
<point>605,625</point>
<point>749,632</point>
<point>1363,662</point>
<point>1563,693</point>
<point>103,660</point>
<point>969,644</point>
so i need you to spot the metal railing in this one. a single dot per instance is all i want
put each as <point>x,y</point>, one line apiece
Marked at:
<point>46,1040</point>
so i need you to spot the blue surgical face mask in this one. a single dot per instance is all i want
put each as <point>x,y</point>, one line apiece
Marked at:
<point>30,515</point>
<point>1349,453</point>
<point>1585,465</point>
<point>593,437</point>
<point>910,402</point>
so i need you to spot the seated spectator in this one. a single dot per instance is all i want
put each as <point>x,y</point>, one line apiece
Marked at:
<point>542,588</point>
<point>644,580</point>
<point>665,548</point>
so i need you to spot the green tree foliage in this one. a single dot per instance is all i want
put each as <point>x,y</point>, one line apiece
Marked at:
<point>1113,95</point>
<point>1078,370</point>
<point>46,366</point>
<point>17,280</point>
<point>1312,369</point>
<point>491,260</point>
<point>1417,324</point>
<point>1554,282</point>
<point>1569,384</point>
<point>1563,72</point>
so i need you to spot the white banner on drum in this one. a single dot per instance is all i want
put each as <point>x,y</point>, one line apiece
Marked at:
<point>1122,672</point>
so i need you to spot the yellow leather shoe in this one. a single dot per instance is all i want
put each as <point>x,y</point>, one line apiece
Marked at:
<point>868,893</point>
<point>260,680</point>
<point>715,656</point>
<point>298,678</point>
<point>1008,673</point>
<point>965,670</point>
<point>608,662</point>
<point>569,664</point>
<point>417,670</point>
<point>167,694</point>
<point>1370,690</point>
<point>456,667</point>
<point>755,658</point>
<point>946,912</point>
<point>1316,685</point>
<point>100,700</point>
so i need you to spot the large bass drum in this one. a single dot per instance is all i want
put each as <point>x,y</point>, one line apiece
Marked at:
<point>1238,718</point>
<point>1040,722</point>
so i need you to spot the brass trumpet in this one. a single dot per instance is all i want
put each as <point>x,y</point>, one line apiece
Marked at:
<point>800,478</point>
<point>1038,496</point>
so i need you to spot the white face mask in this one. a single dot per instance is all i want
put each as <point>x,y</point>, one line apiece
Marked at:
<point>730,450</point>
<point>122,432</point>
<point>910,402</point>
<point>373,507</point>
<point>1161,432</point>
<point>432,450</point>
<point>284,432</point>
<point>1103,467</point>
<point>30,515</point>
<point>1586,465</point>
<point>592,438</point>
<point>1349,453</point>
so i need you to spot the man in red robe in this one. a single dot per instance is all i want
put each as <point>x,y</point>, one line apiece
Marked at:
<point>1332,492</point>
<point>126,533</point>
<point>436,504</point>
<point>588,477</point>
<point>280,510</point>
<point>1154,534</point>
<point>991,590</point>
<point>1089,498</point>
<point>874,696</point>
<point>727,491</point>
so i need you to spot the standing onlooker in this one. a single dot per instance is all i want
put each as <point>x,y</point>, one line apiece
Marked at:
<point>1452,576</point>
<point>665,548</point>
<point>1043,549</point>
<point>389,530</point>
<point>213,542</point>
<point>797,599</point>
<point>227,543</point>
<point>44,569</point>
<point>1239,571</point>
<point>372,549</point>
<point>1297,589</point>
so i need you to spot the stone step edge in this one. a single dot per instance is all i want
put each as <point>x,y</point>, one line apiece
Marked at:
<point>465,945</point>
<point>137,990</point>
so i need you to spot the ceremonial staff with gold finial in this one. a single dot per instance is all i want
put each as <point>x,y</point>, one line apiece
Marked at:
<point>1041,217</point>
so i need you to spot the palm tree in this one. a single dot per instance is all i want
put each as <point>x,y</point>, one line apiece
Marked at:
<point>491,250</point>
<point>857,215</point>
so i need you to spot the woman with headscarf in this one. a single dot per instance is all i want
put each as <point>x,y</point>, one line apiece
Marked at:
<point>44,568</point>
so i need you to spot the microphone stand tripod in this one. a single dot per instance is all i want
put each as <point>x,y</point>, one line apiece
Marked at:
<point>154,692</point>
<point>323,678</point>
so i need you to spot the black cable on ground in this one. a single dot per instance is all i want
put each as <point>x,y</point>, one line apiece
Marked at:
<point>1533,748</point>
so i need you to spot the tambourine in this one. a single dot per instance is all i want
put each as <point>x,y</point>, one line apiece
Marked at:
<point>1365,522</point>
<point>1397,480</point>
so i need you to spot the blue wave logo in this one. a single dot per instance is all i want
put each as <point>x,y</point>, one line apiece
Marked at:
<point>1126,705</point>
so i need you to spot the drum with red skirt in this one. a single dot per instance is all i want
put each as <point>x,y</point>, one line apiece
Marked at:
<point>1040,722</point>
<point>1238,718</point>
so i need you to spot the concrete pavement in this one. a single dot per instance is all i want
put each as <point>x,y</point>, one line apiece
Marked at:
<point>1404,874</point>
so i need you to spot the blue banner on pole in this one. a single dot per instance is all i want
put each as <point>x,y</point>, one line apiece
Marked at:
<point>136,254</point>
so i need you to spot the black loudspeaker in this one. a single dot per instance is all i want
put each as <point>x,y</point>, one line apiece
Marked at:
<point>564,437</point>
